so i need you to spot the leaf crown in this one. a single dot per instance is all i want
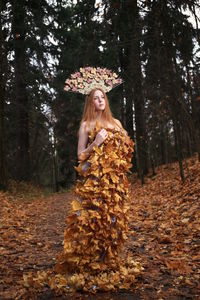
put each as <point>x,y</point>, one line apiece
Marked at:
<point>89,78</point>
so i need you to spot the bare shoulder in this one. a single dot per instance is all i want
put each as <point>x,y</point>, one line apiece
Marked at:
<point>83,125</point>
<point>119,124</point>
<point>82,129</point>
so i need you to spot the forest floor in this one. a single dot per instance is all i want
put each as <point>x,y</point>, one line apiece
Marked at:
<point>164,237</point>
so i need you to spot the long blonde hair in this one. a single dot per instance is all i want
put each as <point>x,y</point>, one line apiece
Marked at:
<point>89,114</point>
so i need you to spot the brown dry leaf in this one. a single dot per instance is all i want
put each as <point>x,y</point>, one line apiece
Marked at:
<point>76,205</point>
<point>179,265</point>
<point>163,237</point>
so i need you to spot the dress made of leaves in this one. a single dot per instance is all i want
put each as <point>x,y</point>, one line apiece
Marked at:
<point>98,226</point>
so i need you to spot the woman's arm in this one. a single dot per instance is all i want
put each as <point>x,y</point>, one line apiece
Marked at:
<point>83,150</point>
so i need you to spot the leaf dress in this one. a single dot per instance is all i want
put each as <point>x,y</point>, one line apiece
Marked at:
<point>98,225</point>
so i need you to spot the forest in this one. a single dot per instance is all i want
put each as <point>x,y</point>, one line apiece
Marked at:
<point>154,46</point>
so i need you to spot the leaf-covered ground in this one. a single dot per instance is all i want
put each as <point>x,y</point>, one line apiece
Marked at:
<point>164,237</point>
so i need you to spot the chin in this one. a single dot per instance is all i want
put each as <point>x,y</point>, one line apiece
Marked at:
<point>100,109</point>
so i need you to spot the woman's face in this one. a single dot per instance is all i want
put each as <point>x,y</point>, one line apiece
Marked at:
<point>99,100</point>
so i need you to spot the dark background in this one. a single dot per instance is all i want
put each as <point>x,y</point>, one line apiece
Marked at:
<point>152,45</point>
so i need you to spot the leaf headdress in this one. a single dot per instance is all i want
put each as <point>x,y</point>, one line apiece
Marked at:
<point>89,78</point>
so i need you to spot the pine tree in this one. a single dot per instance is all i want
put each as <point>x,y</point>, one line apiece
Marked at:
<point>3,177</point>
<point>78,43</point>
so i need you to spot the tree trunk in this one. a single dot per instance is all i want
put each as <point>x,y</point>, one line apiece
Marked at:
<point>3,178</point>
<point>129,120</point>
<point>178,147</point>
<point>138,96</point>
<point>131,66</point>
<point>163,148</point>
<point>21,98</point>
<point>194,120</point>
<point>124,59</point>
<point>174,86</point>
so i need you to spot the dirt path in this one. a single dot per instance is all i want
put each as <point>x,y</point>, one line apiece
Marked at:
<point>164,237</point>
<point>32,236</point>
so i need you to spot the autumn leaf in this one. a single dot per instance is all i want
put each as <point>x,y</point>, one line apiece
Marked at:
<point>160,258</point>
<point>76,205</point>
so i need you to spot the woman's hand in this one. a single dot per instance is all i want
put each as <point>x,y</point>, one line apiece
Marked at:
<point>83,150</point>
<point>101,136</point>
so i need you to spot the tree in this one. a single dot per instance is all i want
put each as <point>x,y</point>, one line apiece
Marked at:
<point>169,41</point>
<point>78,42</point>
<point>150,43</point>
<point>21,96</point>
<point>124,23</point>
<point>28,102</point>
<point>3,177</point>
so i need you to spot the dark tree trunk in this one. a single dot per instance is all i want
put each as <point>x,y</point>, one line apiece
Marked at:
<point>124,59</point>
<point>129,111</point>
<point>129,120</point>
<point>177,121</point>
<point>131,66</point>
<point>174,86</point>
<point>178,147</point>
<point>21,98</point>
<point>153,168</point>
<point>122,111</point>
<point>3,178</point>
<point>138,96</point>
<point>163,148</point>
<point>193,119</point>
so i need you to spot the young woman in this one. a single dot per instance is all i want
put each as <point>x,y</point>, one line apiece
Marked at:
<point>96,110</point>
<point>98,224</point>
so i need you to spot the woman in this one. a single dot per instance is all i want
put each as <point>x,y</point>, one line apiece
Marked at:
<point>96,110</point>
<point>98,225</point>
